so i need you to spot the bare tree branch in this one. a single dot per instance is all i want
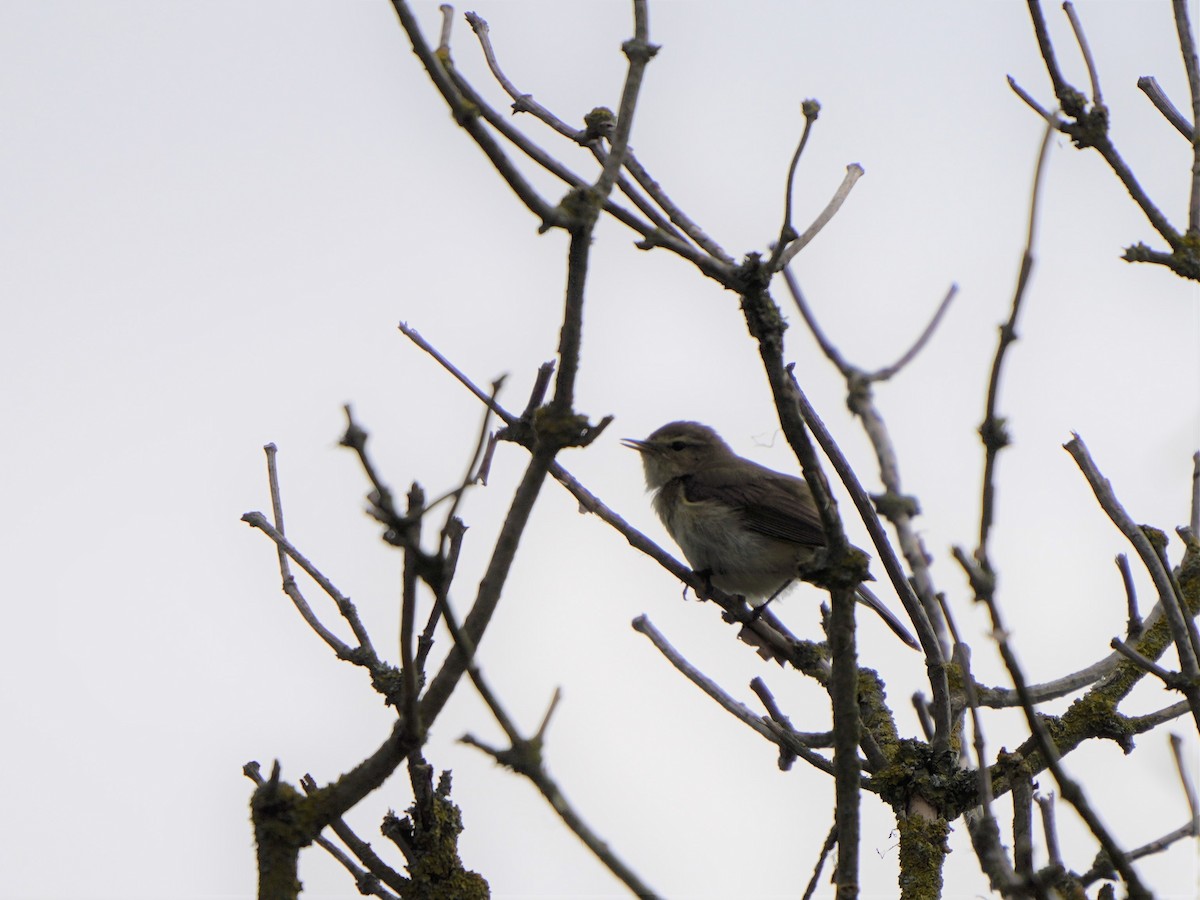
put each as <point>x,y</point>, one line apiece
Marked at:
<point>994,430</point>
<point>1187,49</point>
<point>524,756</point>
<point>1150,87</point>
<point>1183,627</point>
<point>853,172</point>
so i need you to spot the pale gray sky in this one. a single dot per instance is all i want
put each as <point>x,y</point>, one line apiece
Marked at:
<point>215,214</point>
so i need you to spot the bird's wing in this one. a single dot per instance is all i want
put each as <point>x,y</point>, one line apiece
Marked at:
<point>773,504</point>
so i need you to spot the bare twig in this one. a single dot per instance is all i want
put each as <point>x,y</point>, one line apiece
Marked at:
<point>993,430</point>
<point>853,172</point>
<point>894,505</point>
<point>1068,787</point>
<point>1187,49</point>
<point>447,12</point>
<point>411,678</point>
<point>465,115</point>
<point>909,355</point>
<point>360,848</point>
<point>1077,27</point>
<point>1133,623</point>
<point>787,232</point>
<point>523,102</point>
<point>921,708</point>
<point>1191,829</point>
<point>1022,828</point>
<point>639,52</point>
<point>999,698</point>
<point>1170,679</point>
<point>365,653</point>
<point>1183,627</point>
<point>1049,829</point>
<point>1194,515</point>
<point>773,729</point>
<point>675,217</point>
<point>524,756</point>
<point>809,738</point>
<point>655,233</point>
<point>962,657</point>
<point>1189,789</point>
<point>476,466</point>
<point>1150,721</point>
<point>926,634</point>
<point>830,840</point>
<point>1025,96</point>
<point>1068,97</point>
<point>1089,128</point>
<point>1151,88</point>
<point>827,346</point>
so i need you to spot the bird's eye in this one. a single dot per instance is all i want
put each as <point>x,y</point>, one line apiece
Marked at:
<point>678,445</point>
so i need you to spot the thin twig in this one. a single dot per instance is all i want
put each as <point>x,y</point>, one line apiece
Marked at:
<point>898,508</point>
<point>912,605</point>
<point>1187,49</point>
<point>1049,829</point>
<point>962,657</point>
<point>524,757</point>
<point>827,346</point>
<point>1183,627</point>
<point>809,738</point>
<point>1189,789</point>
<point>1150,721</point>
<point>1089,128</point>
<point>1067,96</point>
<point>639,52</point>
<point>1194,516</point>
<point>909,355</point>
<point>411,678</point>
<point>1077,27</point>
<point>342,649</point>
<point>522,102</point>
<point>853,172</point>
<point>1027,98</point>
<point>780,734</point>
<point>993,430</point>
<point>360,848</point>
<point>447,12</point>
<point>1022,828</point>
<point>655,233</point>
<point>673,211</point>
<point>921,708</point>
<point>1070,790</point>
<point>466,116</point>
<point>1170,679</point>
<point>676,222</point>
<point>787,232</point>
<point>999,698</point>
<point>830,840</point>
<point>1133,622</point>
<point>474,464</point>
<point>1151,88</point>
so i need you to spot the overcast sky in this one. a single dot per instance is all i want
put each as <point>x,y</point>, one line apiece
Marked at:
<point>216,213</point>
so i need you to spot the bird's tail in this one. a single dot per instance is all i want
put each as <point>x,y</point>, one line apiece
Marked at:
<point>866,598</point>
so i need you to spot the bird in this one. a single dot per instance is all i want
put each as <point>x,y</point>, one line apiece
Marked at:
<point>749,529</point>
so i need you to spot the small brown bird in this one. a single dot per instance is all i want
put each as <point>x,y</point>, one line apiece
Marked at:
<point>749,528</point>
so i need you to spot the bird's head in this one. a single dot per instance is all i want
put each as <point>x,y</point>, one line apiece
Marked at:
<point>678,449</point>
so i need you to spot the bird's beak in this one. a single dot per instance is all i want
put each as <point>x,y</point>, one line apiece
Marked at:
<point>639,446</point>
